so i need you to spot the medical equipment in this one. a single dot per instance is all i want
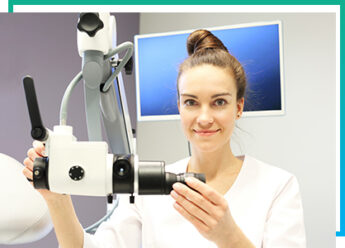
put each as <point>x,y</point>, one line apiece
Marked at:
<point>86,168</point>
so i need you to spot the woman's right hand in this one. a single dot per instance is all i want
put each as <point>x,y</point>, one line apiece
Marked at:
<point>37,151</point>
<point>68,229</point>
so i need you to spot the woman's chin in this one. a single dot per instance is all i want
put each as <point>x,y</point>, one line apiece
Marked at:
<point>205,147</point>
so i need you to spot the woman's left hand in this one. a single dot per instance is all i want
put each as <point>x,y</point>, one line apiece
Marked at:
<point>206,209</point>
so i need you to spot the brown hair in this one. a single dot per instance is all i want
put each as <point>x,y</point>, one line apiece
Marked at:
<point>205,48</point>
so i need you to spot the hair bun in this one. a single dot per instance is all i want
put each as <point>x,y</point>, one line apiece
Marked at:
<point>203,39</point>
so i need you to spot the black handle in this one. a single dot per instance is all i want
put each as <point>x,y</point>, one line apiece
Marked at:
<point>38,131</point>
<point>90,23</point>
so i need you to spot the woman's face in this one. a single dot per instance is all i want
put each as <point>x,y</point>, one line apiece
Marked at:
<point>208,106</point>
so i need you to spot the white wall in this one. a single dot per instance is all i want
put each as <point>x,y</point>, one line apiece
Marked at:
<point>303,140</point>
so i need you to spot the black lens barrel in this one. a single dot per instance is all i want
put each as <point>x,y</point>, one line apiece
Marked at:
<point>153,180</point>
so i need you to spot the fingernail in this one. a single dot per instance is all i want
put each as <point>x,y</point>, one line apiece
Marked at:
<point>177,186</point>
<point>35,143</point>
<point>190,179</point>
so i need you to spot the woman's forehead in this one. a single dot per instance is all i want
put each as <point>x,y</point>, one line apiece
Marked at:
<point>207,78</point>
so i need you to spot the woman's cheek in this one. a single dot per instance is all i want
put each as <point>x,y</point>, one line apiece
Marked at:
<point>186,122</point>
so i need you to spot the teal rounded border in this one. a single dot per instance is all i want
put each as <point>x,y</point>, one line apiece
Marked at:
<point>341,233</point>
<point>11,3</point>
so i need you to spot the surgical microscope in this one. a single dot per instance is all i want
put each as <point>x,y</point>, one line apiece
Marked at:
<point>85,167</point>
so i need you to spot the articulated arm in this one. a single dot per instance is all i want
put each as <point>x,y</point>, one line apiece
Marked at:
<point>86,168</point>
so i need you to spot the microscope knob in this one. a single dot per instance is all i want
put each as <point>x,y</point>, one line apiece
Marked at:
<point>90,23</point>
<point>76,173</point>
<point>40,173</point>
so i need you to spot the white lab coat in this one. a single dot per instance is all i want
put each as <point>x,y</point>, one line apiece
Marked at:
<point>264,201</point>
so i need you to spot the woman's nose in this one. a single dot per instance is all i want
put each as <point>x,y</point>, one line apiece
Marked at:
<point>205,117</point>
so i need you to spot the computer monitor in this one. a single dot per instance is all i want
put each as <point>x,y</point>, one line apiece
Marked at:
<point>257,46</point>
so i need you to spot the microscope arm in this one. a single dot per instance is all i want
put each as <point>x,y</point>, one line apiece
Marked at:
<point>103,96</point>
<point>86,168</point>
<point>113,106</point>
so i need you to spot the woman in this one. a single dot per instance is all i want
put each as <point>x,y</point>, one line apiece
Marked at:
<point>245,202</point>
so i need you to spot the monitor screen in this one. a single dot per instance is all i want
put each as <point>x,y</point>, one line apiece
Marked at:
<point>257,46</point>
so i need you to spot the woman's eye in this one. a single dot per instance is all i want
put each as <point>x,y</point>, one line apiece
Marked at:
<point>220,102</point>
<point>190,102</point>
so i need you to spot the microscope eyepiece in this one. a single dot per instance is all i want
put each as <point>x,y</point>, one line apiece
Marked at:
<point>182,177</point>
<point>153,180</point>
<point>171,178</point>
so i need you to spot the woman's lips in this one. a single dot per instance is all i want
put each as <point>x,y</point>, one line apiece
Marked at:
<point>206,132</point>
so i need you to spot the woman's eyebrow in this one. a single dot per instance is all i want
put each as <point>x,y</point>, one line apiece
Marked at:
<point>221,94</point>
<point>214,96</point>
<point>189,95</point>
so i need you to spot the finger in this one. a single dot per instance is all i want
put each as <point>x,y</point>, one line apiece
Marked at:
<point>27,173</point>
<point>201,226</point>
<point>32,154</point>
<point>205,190</point>
<point>38,147</point>
<point>29,164</point>
<point>193,209</point>
<point>194,197</point>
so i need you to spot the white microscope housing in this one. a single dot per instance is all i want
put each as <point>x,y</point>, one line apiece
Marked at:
<point>78,168</point>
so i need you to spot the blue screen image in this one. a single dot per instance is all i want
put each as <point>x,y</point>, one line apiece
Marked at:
<point>256,48</point>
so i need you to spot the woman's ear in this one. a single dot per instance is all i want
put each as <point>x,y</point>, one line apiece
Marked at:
<point>178,105</point>
<point>240,105</point>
